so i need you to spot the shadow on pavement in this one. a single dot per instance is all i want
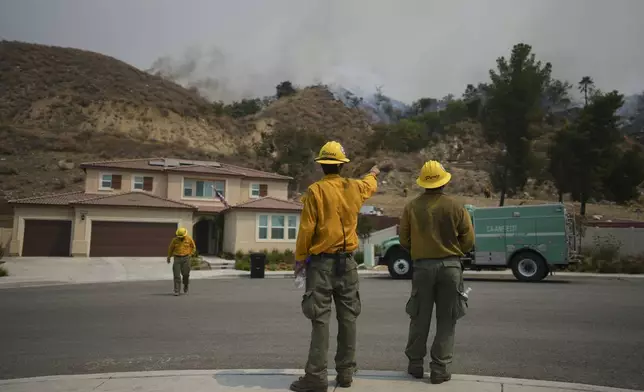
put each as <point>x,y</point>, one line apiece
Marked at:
<point>264,382</point>
<point>483,279</point>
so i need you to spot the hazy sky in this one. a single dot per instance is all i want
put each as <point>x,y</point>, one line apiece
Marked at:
<point>411,48</point>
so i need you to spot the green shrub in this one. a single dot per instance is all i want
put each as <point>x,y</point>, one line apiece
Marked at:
<point>198,263</point>
<point>243,264</point>
<point>606,248</point>
<point>3,271</point>
<point>275,260</point>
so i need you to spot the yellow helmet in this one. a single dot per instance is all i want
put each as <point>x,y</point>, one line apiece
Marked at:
<point>181,232</point>
<point>331,153</point>
<point>433,175</point>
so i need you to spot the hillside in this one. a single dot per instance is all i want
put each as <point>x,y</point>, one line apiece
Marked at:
<point>71,90</point>
<point>60,107</point>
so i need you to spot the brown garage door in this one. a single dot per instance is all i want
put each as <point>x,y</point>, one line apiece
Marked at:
<point>131,239</point>
<point>47,237</point>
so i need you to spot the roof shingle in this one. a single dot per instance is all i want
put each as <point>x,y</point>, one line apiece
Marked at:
<point>60,199</point>
<point>269,203</point>
<point>185,166</point>
<point>127,199</point>
<point>135,199</point>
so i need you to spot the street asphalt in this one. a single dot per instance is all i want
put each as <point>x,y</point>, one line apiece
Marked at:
<point>588,331</point>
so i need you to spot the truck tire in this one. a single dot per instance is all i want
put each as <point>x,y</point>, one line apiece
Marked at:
<point>529,267</point>
<point>399,264</point>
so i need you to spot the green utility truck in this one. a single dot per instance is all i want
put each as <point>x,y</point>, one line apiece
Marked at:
<point>532,240</point>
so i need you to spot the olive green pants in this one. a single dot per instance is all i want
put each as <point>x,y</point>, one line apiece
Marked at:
<point>322,286</point>
<point>181,267</point>
<point>434,282</point>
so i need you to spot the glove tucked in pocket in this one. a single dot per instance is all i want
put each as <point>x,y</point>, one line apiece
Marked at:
<point>460,305</point>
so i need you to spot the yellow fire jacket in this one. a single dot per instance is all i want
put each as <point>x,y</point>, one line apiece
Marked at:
<point>434,226</point>
<point>181,246</point>
<point>329,205</point>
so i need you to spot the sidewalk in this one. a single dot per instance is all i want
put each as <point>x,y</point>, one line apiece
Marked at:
<point>278,380</point>
<point>40,271</point>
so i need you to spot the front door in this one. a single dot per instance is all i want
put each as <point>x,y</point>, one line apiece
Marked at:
<point>202,236</point>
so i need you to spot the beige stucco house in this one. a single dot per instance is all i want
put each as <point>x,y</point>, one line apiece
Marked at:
<point>133,207</point>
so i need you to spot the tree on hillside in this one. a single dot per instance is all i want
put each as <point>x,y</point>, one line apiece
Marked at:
<point>591,145</point>
<point>586,87</point>
<point>561,161</point>
<point>473,99</point>
<point>423,105</point>
<point>636,121</point>
<point>243,108</point>
<point>291,151</point>
<point>622,183</point>
<point>556,97</point>
<point>513,101</point>
<point>285,89</point>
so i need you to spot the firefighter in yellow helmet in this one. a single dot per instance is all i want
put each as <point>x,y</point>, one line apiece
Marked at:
<point>181,248</point>
<point>437,231</point>
<point>325,244</point>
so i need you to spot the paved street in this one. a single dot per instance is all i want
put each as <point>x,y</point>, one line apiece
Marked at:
<point>582,331</point>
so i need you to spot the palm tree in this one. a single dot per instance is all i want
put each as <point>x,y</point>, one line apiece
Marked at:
<point>586,86</point>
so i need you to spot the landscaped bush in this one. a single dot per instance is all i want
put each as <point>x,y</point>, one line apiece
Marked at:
<point>275,260</point>
<point>3,272</point>
<point>198,263</point>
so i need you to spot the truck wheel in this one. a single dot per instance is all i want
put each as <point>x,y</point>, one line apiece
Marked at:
<point>529,267</point>
<point>400,266</point>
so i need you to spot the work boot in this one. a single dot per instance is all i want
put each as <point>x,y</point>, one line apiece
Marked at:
<point>309,384</point>
<point>344,380</point>
<point>436,378</point>
<point>416,370</point>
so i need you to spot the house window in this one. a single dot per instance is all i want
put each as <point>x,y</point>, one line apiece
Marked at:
<point>277,227</point>
<point>203,189</point>
<point>292,227</point>
<point>263,227</point>
<point>142,183</point>
<point>110,181</point>
<point>258,190</point>
<point>106,181</point>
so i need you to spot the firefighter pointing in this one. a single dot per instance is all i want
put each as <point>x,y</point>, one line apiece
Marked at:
<point>438,231</point>
<point>326,241</point>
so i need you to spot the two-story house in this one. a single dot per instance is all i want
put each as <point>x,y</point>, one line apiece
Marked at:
<point>133,207</point>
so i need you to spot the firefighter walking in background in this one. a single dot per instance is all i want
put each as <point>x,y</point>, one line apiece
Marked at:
<point>181,248</point>
<point>437,231</point>
<point>325,244</point>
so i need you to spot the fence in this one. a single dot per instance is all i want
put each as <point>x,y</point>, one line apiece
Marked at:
<point>629,235</point>
<point>377,237</point>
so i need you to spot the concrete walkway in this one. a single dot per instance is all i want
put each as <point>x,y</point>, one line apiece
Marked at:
<point>39,271</point>
<point>278,380</point>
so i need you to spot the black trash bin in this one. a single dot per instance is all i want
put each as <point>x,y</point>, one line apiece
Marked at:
<point>257,265</point>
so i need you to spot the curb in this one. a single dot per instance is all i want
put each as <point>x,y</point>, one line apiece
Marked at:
<point>13,283</point>
<point>361,374</point>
